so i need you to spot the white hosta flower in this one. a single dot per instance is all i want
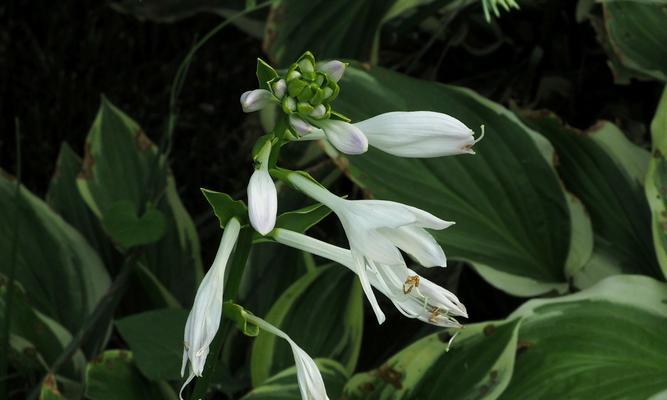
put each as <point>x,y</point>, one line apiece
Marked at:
<point>418,134</point>
<point>376,229</point>
<point>334,69</point>
<point>255,100</point>
<point>308,375</point>
<point>262,195</point>
<point>344,136</point>
<point>414,296</point>
<point>204,319</point>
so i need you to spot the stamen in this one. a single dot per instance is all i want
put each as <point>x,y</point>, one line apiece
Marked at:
<point>435,313</point>
<point>410,283</point>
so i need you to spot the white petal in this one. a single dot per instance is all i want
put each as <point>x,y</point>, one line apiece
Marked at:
<point>333,68</point>
<point>255,100</point>
<point>204,318</point>
<point>427,220</point>
<point>419,244</point>
<point>418,134</point>
<point>360,268</point>
<point>308,375</point>
<point>346,137</point>
<point>262,201</point>
<point>301,127</point>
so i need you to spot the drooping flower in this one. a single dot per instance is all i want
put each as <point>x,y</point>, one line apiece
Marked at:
<point>413,295</point>
<point>376,229</point>
<point>308,375</point>
<point>204,319</point>
<point>418,134</point>
<point>262,195</point>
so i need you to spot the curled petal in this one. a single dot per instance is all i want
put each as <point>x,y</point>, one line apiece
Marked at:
<point>419,244</point>
<point>262,201</point>
<point>418,134</point>
<point>334,69</point>
<point>255,100</point>
<point>344,136</point>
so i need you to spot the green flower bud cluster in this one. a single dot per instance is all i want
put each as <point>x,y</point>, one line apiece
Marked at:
<point>304,90</point>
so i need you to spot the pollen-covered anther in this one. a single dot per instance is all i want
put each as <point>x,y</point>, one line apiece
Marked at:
<point>410,283</point>
<point>435,313</point>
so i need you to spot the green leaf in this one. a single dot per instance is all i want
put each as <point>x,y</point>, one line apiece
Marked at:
<point>156,340</point>
<point>114,376</point>
<point>478,365</point>
<point>329,29</point>
<point>128,230</point>
<point>638,34</point>
<point>40,336</point>
<point>605,171</point>
<point>327,300</point>
<point>656,182</point>
<point>121,164</point>
<point>64,198</point>
<point>225,207</point>
<point>283,385</point>
<point>607,342</point>
<point>265,73</point>
<point>298,220</point>
<point>62,275</point>
<point>512,214</point>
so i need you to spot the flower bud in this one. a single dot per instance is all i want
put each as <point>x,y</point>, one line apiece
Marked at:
<point>334,69</point>
<point>279,88</point>
<point>344,136</point>
<point>255,100</point>
<point>262,201</point>
<point>301,127</point>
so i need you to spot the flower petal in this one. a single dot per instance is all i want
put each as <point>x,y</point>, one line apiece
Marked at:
<point>262,201</point>
<point>419,244</point>
<point>418,134</point>
<point>301,127</point>
<point>344,136</point>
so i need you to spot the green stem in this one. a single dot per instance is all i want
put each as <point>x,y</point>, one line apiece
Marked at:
<point>4,335</point>
<point>236,268</point>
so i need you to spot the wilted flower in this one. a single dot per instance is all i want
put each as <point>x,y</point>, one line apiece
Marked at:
<point>376,229</point>
<point>413,295</point>
<point>308,375</point>
<point>204,319</point>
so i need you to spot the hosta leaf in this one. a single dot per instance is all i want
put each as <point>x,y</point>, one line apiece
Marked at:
<point>513,218</point>
<point>283,385</point>
<point>656,182</point>
<point>113,376</point>
<point>605,171</point>
<point>156,340</point>
<point>327,300</point>
<point>64,198</point>
<point>638,34</point>
<point>62,275</point>
<point>122,165</point>
<point>35,335</point>
<point>478,365</point>
<point>607,342</point>
<point>329,29</point>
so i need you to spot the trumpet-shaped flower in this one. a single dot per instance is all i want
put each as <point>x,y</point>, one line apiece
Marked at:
<point>308,375</point>
<point>414,296</point>
<point>204,319</point>
<point>376,229</point>
<point>418,134</point>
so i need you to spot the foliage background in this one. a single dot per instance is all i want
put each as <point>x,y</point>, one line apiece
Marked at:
<point>56,60</point>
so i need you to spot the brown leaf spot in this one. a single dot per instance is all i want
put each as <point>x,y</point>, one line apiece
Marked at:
<point>489,330</point>
<point>390,375</point>
<point>366,387</point>
<point>143,142</point>
<point>494,376</point>
<point>50,382</point>
<point>88,162</point>
<point>445,336</point>
<point>522,346</point>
